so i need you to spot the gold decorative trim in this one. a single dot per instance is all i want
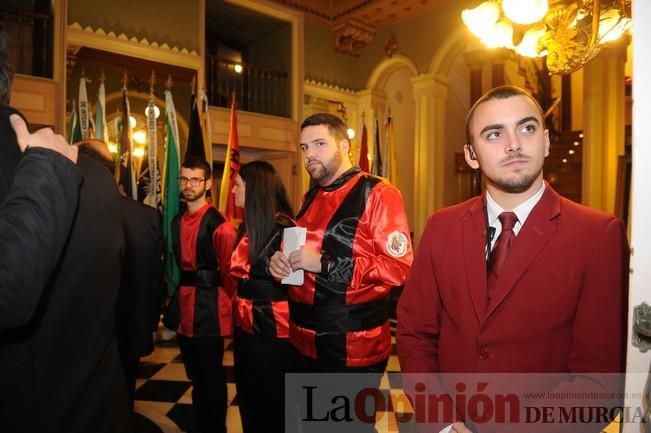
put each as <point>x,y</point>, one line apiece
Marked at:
<point>131,46</point>
<point>312,86</point>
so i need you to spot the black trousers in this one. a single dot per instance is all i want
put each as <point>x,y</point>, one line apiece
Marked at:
<point>353,379</point>
<point>202,357</point>
<point>260,365</point>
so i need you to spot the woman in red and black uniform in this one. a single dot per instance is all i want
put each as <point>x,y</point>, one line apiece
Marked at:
<point>261,344</point>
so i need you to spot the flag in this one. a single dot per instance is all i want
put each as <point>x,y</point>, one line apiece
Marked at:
<point>101,131</point>
<point>231,168</point>
<point>83,108</point>
<point>150,175</point>
<point>74,132</point>
<point>363,150</point>
<point>390,157</point>
<point>207,137</point>
<point>126,171</point>
<point>376,169</point>
<point>171,202</point>
<point>195,135</point>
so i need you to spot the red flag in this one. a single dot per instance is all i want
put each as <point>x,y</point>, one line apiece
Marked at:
<point>363,150</point>
<point>231,168</point>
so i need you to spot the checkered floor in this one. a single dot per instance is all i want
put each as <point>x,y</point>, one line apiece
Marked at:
<point>164,399</point>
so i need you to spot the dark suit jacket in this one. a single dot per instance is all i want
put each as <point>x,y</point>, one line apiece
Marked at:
<point>141,286</point>
<point>35,221</point>
<point>61,370</point>
<point>10,153</point>
<point>560,303</point>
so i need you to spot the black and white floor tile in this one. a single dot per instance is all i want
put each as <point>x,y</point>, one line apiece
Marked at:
<point>164,393</point>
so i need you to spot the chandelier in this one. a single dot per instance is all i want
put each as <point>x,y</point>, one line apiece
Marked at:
<point>569,33</point>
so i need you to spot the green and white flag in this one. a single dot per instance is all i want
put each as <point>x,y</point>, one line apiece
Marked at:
<point>171,202</point>
<point>74,132</point>
<point>101,131</point>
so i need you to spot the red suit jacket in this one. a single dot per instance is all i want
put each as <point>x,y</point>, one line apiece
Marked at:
<point>560,304</point>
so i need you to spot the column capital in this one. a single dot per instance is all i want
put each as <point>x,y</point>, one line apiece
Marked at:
<point>475,59</point>
<point>498,56</point>
<point>432,85</point>
<point>373,99</point>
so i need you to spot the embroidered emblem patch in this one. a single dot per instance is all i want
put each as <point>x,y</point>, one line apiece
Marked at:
<point>397,244</point>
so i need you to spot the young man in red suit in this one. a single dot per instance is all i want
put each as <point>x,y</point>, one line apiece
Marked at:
<point>518,280</point>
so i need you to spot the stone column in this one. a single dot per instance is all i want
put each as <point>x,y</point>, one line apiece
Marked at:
<point>430,93</point>
<point>498,58</point>
<point>604,126</point>
<point>475,60</point>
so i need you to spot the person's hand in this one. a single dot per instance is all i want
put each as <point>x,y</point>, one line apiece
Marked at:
<point>306,259</point>
<point>279,266</point>
<point>459,427</point>
<point>45,138</point>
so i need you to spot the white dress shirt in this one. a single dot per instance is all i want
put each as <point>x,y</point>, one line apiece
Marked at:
<point>522,211</point>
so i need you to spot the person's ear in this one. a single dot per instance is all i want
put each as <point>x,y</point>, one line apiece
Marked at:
<point>208,183</point>
<point>345,145</point>
<point>547,144</point>
<point>471,157</point>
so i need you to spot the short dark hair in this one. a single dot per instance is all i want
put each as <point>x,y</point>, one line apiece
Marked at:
<point>265,196</point>
<point>6,71</point>
<point>91,149</point>
<point>500,92</point>
<point>195,162</point>
<point>336,125</point>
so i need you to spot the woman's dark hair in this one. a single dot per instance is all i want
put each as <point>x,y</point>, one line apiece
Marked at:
<point>264,197</point>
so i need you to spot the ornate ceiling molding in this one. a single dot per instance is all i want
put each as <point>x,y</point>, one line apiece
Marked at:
<point>351,37</point>
<point>355,22</point>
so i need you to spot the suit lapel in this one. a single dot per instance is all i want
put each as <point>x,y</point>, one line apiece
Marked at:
<point>537,231</point>
<point>474,256</point>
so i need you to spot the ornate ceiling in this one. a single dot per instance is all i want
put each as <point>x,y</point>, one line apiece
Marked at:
<point>354,22</point>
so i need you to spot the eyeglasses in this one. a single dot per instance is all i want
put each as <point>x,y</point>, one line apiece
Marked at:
<point>194,181</point>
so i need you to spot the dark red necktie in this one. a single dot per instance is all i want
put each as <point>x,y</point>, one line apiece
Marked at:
<point>500,251</point>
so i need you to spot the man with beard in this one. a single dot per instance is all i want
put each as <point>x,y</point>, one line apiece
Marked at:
<point>518,280</point>
<point>357,249</point>
<point>201,308</point>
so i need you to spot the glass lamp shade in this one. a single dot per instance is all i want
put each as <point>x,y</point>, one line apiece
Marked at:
<point>481,19</point>
<point>525,11</point>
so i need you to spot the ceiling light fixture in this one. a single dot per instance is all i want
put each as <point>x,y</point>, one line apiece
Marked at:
<point>569,33</point>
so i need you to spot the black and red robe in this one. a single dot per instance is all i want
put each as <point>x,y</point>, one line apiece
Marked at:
<point>203,242</point>
<point>358,222</point>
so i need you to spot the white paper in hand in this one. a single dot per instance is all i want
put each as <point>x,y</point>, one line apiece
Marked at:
<point>293,239</point>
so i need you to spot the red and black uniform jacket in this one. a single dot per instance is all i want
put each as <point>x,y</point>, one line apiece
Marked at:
<point>359,223</point>
<point>261,302</point>
<point>203,242</point>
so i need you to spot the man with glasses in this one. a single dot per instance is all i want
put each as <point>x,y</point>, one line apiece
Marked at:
<point>201,310</point>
